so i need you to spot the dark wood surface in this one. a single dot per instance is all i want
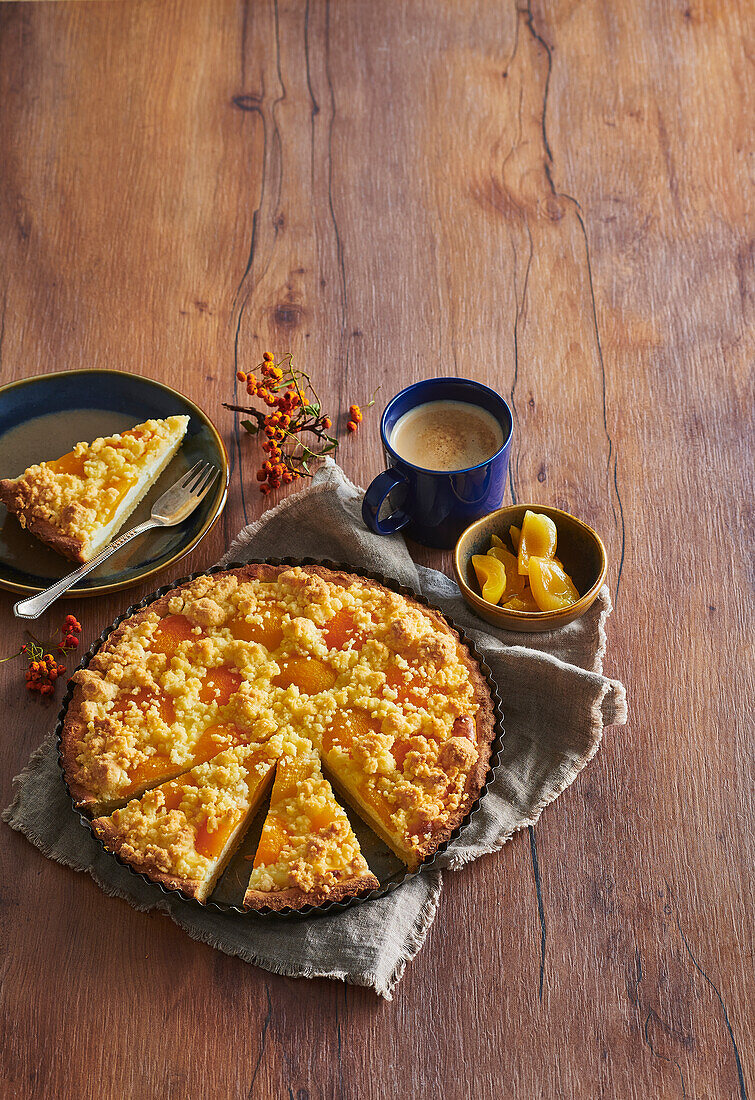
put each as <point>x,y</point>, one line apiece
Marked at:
<point>557,201</point>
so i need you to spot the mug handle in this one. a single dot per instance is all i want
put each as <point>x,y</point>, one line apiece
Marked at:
<point>373,500</point>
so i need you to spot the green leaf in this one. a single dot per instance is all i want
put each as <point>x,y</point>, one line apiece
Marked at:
<point>250,426</point>
<point>332,439</point>
<point>313,410</point>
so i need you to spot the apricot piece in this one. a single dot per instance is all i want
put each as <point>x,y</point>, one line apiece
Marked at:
<point>342,630</point>
<point>151,768</point>
<point>211,844</point>
<point>273,840</point>
<point>320,819</point>
<point>399,750</point>
<point>173,793</point>
<point>538,539</point>
<point>346,727</point>
<point>407,685</point>
<point>220,684</point>
<point>515,534</point>
<point>217,739</point>
<point>169,634</point>
<point>495,541</point>
<point>310,675</point>
<point>491,576</point>
<point>514,582</point>
<point>68,464</point>
<point>524,602</point>
<point>268,633</point>
<point>144,699</point>
<point>551,588</point>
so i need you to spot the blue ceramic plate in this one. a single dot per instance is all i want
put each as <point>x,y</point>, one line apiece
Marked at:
<point>43,417</point>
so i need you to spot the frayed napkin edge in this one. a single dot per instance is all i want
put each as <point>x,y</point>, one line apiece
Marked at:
<point>460,859</point>
<point>383,985</point>
<point>246,534</point>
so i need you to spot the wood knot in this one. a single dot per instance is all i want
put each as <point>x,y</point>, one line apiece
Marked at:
<point>247,102</point>
<point>541,474</point>
<point>279,221</point>
<point>288,315</point>
<point>554,208</point>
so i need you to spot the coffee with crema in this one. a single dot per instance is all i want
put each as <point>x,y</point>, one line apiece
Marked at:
<point>446,435</point>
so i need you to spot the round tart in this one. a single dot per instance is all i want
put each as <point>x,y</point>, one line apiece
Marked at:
<point>300,678</point>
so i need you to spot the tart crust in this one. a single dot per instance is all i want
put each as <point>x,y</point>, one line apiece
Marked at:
<point>483,723</point>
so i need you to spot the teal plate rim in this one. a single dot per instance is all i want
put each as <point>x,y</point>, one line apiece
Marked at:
<point>138,574</point>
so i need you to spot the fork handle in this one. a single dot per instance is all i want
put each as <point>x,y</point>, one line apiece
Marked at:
<point>33,607</point>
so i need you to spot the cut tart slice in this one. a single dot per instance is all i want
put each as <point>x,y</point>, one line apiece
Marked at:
<point>308,852</point>
<point>75,504</point>
<point>113,755</point>
<point>183,833</point>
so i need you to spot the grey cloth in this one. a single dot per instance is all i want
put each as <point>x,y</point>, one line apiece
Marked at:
<point>556,703</point>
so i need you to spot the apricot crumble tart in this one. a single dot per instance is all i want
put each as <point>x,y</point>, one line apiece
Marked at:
<point>304,665</point>
<point>75,504</point>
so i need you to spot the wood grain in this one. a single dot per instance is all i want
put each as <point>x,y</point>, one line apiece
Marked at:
<point>555,200</point>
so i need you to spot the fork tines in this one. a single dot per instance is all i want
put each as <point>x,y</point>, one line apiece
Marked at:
<point>199,478</point>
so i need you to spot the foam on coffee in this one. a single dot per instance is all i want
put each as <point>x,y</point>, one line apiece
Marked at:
<point>446,435</point>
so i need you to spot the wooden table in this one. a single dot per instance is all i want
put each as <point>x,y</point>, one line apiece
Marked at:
<point>555,201</point>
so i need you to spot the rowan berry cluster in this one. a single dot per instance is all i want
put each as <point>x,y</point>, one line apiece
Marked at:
<point>296,409</point>
<point>43,668</point>
<point>70,631</point>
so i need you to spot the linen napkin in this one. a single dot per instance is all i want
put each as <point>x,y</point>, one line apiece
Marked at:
<point>556,704</point>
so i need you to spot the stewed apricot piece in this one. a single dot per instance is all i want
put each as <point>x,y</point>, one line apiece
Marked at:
<point>514,582</point>
<point>70,463</point>
<point>491,576</point>
<point>307,673</point>
<point>551,587</point>
<point>399,750</point>
<point>538,539</point>
<point>407,686</point>
<point>523,602</point>
<point>144,699</point>
<point>320,820</point>
<point>217,738</point>
<point>151,768</point>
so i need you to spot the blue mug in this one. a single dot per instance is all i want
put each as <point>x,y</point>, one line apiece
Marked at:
<point>434,507</point>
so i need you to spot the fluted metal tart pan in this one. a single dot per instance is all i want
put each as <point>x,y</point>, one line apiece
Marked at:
<point>389,881</point>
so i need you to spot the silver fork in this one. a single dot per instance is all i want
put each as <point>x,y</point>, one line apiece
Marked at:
<point>173,507</point>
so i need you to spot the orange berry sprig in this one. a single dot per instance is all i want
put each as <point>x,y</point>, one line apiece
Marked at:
<point>296,409</point>
<point>70,631</point>
<point>355,413</point>
<point>43,668</point>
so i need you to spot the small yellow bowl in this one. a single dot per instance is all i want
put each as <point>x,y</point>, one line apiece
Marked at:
<point>579,548</point>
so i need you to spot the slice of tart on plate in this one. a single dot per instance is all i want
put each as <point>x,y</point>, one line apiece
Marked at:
<point>183,833</point>
<point>308,852</point>
<point>75,504</point>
